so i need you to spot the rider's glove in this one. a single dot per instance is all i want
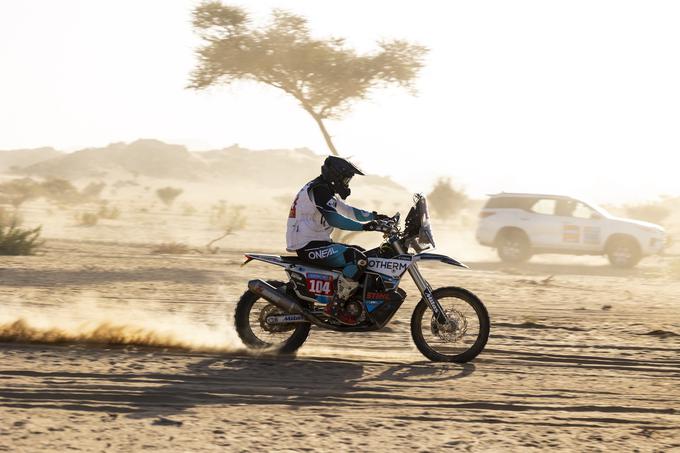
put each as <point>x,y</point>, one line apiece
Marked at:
<point>375,225</point>
<point>371,226</point>
<point>377,216</point>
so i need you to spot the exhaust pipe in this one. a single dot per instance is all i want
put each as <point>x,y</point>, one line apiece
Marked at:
<point>290,305</point>
<point>273,296</point>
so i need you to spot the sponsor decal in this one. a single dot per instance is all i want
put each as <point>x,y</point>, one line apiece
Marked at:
<point>289,318</point>
<point>332,203</point>
<point>571,233</point>
<point>591,235</point>
<point>322,253</point>
<point>293,208</point>
<point>320,284</point>
<point>387,265</point>
<point>282,319</point>
<point>432,301</point>
<point>377,296</point>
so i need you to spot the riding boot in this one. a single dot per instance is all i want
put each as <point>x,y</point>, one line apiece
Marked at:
<point>336,307</point>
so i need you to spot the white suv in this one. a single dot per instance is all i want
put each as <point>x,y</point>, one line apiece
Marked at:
<point>521,224</point>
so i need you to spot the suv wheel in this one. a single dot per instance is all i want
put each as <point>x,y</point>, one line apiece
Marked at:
<point>513,247</point>
<point>624,253</point>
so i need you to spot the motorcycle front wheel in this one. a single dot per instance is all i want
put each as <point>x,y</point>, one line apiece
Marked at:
<point>251,326</point>
<point>459,340</point>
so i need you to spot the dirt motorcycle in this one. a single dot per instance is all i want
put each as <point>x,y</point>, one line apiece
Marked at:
<point>448,324</point>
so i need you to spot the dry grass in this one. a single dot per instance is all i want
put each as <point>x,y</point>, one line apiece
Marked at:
<point>18,241</point>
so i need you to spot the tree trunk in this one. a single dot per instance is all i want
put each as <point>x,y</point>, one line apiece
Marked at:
<point>325,133</point>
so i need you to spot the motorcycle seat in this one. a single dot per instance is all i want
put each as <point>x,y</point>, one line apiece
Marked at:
<point>291,259</point>
<point>294,259</point>
<point>287,259</point>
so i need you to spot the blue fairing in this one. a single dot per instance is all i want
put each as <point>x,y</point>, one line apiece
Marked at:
<point>323,299</point>
<point>372,304</point>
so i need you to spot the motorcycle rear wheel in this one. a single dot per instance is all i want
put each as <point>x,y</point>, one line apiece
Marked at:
<point>255,334</point>
<point>460,340</point>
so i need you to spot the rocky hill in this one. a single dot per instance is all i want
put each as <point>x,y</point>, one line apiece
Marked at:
<point>279,170</point>
<point>15,159</point>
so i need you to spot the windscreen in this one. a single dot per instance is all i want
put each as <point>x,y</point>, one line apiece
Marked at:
<point>425,236</point>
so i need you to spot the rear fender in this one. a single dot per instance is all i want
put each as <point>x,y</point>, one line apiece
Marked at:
<point>271,259</point>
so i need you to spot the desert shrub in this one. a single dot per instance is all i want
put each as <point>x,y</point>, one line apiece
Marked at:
<point>108,212</point>
<point>58,191</point>
<point>651,212</point>
<point>18,191</point>
<point>61,191</point>
<point>7,217</point>
<point>87,219</point>
<point>93,190</point>
<point>10,217</point>
<point>227,218</point>
<point>126,183</point>
<point>18,241</point>
<point>168,194</point>
<point>445,200</point>
<point>171,248</point>
<point>188,210</point>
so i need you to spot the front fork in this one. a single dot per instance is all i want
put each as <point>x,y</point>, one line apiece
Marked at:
<point>423,286</point>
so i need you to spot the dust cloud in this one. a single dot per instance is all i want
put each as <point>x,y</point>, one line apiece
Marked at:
<point>93,322</point>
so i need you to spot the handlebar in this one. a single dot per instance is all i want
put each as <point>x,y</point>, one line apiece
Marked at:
<point>389,226</point>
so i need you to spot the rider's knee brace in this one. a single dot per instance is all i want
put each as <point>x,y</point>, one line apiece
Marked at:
<point>356,266</point>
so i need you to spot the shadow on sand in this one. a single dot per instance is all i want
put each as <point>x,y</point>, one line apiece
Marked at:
<point>208,380</point>
<point>59,277</point>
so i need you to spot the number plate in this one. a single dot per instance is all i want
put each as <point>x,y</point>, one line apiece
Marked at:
<point>320,284</point>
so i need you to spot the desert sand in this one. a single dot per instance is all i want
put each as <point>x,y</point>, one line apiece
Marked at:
<point>105,346</point>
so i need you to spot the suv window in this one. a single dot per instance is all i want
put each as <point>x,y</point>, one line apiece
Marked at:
<point>544,206</point>
<point>510,203</point>
<point>583,212</point>
<point>573,208</point>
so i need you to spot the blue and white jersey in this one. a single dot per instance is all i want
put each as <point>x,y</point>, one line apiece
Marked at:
<point>316,211</point>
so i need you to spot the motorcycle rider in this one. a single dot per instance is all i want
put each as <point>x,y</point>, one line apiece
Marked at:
<point>315,212</point>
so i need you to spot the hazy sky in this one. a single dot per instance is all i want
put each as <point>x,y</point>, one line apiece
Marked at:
<point>577,97</point>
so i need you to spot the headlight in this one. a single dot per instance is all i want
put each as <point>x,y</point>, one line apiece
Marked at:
<point>425,237</point>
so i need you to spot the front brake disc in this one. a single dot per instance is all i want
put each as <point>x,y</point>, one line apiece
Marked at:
<point>452,330</point>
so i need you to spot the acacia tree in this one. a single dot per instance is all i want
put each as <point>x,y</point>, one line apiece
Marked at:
<point>323,75</point>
